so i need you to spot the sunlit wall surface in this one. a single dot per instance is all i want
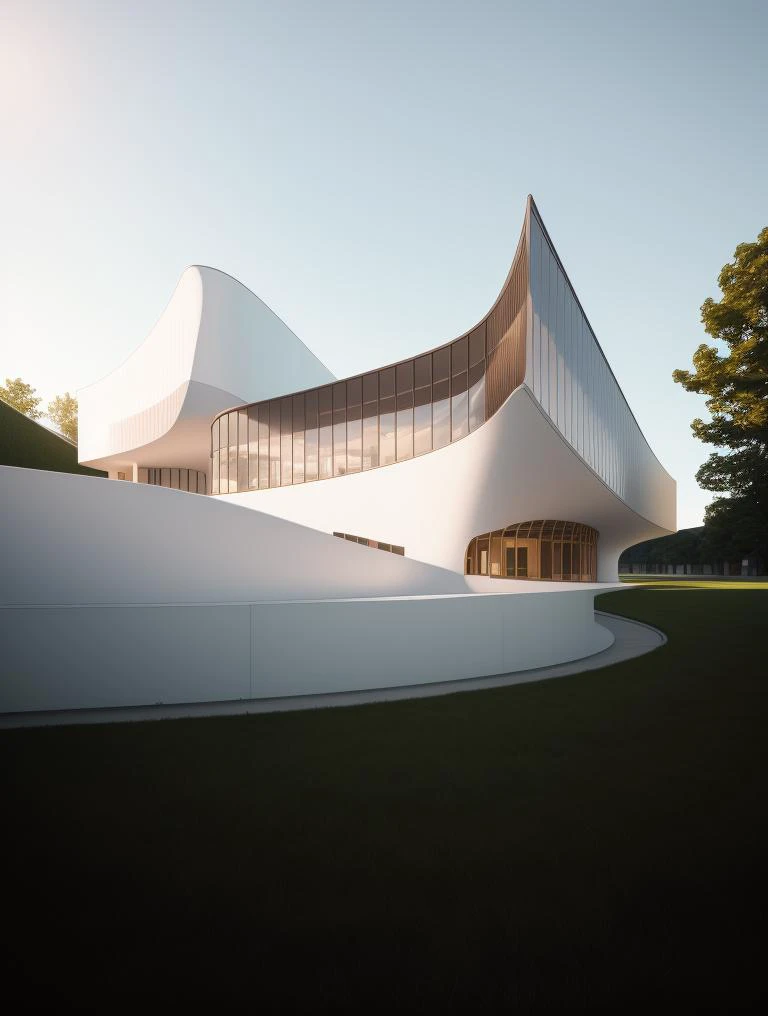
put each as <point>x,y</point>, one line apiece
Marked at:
<point>572,381</point>
<point>544,549</point>
<point>386,416</point>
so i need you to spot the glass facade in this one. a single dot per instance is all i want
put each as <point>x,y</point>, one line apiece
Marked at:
<point>383,417</point>
<point>191,480</point>
<point>571,379</point>
<point>545,549</point>
<point>375,544</point>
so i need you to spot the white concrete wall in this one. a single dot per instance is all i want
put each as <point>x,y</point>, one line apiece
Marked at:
<point>215,345</point>
<point>514,468</point>
<point>69,539</point>
<point>93,657</point>
<point>115,594</point>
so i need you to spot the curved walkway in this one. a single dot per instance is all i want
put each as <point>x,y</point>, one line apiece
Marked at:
<point>631,638</point>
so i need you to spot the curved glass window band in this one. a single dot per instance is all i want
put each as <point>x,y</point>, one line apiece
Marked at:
<point>387,416</point>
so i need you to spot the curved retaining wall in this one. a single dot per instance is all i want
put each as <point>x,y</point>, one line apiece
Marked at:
<point>121,594</point>
<point>93,657</point>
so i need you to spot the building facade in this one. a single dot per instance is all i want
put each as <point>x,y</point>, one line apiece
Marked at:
<point>448,516</point>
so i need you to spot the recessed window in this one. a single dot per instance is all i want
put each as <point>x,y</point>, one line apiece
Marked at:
<point>373,544</point>
<point>190,480</point>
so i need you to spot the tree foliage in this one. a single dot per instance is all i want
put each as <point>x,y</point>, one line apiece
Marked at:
<point>21,396</point>
<point>735,527</point>
<point>63,412</point>
<point>736,386</point>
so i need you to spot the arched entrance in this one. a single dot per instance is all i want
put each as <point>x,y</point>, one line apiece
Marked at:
<point>544,549</point>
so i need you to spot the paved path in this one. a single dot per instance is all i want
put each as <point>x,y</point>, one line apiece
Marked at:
<point>631,639</point>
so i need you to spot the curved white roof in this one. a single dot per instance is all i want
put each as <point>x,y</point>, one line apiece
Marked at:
<point>215,345</point>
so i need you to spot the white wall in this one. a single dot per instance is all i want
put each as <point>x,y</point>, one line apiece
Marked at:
<point>516,467</point>
<point>117,594</point>
<point>215,345</point>
<point>93,657</point>
<point>69,539</point>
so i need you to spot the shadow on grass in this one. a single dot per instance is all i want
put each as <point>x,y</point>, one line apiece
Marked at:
<point>576,842</point>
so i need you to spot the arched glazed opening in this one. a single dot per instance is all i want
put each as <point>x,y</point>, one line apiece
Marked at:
<point>544,549</point>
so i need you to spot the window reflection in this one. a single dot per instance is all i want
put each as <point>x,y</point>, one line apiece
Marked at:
<point>459,420</point>
<point>386,432</point>
<point>325,402</point>
<point>476,395</point>
<point>253,447</point>
<point>286,442</point>
<point>354,425</point>
<point>242,450</point>
<point>274,444</point>
<point>298,439</point>
<point>422,421</point>
<point>339,429</point>
<point>264,444</point>
<point>311,435</point>
<point>370,435</point>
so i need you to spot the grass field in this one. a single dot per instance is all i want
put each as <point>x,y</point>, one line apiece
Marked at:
<point>593,840</point>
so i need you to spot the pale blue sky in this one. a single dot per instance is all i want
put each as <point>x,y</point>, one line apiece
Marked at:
<point>363,168</point>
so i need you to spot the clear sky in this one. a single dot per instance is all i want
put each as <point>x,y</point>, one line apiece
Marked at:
<point>363,168</point>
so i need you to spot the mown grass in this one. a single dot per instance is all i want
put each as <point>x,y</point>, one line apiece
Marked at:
<point>594,840</point>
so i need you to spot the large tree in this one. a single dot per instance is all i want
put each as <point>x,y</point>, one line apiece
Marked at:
<point>63,412</point>
<point>736,384</point>
<point>21,396</point>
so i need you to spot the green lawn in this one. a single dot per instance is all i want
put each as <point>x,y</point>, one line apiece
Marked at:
<point>593,840</point>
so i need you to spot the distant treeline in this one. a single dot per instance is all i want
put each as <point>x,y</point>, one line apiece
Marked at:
<point>698,548</point>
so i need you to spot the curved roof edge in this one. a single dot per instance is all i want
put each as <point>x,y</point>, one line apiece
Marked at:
<point>213,331</point>
<point>242,285</point>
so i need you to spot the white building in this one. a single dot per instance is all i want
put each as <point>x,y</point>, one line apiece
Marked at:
<point>492,482</point>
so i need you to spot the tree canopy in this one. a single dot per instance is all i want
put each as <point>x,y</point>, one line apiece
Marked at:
<point>736,385</point>
<point>63,412</point>
<point>21,396</point>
